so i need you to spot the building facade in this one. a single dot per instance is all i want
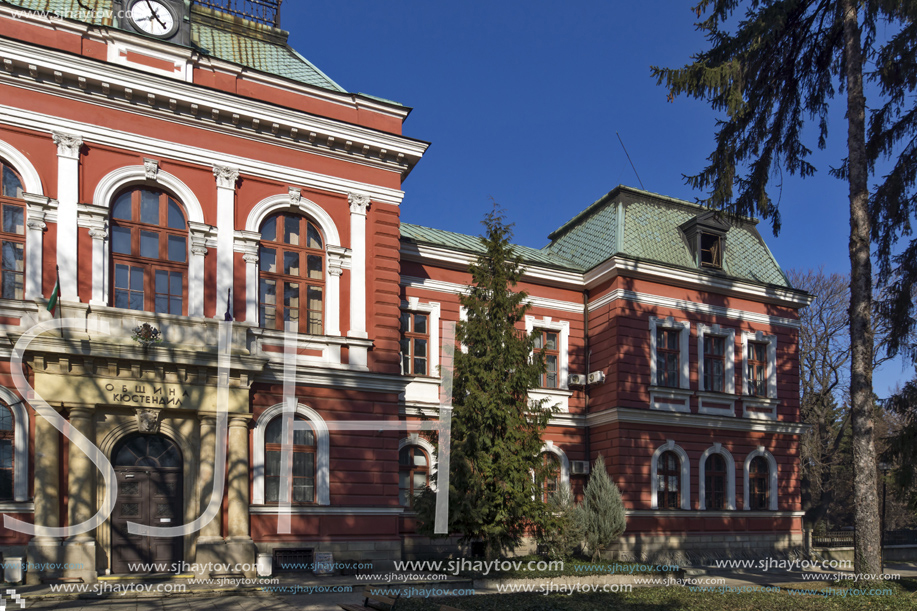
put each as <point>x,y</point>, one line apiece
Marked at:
<point>177,165</point>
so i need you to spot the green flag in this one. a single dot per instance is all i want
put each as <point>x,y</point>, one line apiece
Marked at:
<point>52,302</point>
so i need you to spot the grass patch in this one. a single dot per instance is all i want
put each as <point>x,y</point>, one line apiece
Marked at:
<point>667,599</point>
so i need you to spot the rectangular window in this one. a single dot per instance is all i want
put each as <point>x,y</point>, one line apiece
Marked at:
<point>714,363</point>
<point>128,287</point>
<point>169,291</point>
<point>757,369</point>
<point>13,270</point>
<point>547,340</point>
<point>667,357</point>
<point>415,338</point>
<point>711,250</point>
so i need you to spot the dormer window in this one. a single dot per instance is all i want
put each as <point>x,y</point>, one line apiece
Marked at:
<point>706,239</point>
<point>711,250</point>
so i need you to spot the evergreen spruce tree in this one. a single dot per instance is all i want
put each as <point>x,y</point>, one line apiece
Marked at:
<point>783,62</point>
<point>602,511</point>
<point>496,431</point>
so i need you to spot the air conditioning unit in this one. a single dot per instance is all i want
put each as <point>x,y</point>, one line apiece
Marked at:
<point>580,467</point>
<point>576,379</point>
<point>596,377</point>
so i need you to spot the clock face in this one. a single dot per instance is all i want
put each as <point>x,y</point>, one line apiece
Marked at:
<point>153,17</point>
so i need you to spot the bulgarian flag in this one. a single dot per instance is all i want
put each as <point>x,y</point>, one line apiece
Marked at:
<point>55,294</point>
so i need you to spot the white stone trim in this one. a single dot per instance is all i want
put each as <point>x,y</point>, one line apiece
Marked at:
<point>549,447</point>
<point>431,308</point>
<point>226,178</point>
<point>717,448</point>
<point>651,418</point>
<point>562,327</point>
<point>666,398</point>
<point>685,475</point>
<point>416,440</point>
<point>359,206</point>
<point>727,397</point>
<point>30,177</point>
<point>68,194</point>
<point>322,458</point>
<point>770,402</point>
<point>102,197</point>
<point>20,443</point>
<point>772,478</point>
<point>335,256</point>
<point>39,211</point>
<point>453,288</point>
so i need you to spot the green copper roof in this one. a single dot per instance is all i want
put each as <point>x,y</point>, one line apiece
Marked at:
<point>650,230</point>
<point>472,244</point>
<point>220,35</point>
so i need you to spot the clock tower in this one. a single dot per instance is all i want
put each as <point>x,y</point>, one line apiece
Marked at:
<point>166,20</point>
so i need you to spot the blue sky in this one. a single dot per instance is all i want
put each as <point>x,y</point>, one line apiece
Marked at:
<point>522,100</point>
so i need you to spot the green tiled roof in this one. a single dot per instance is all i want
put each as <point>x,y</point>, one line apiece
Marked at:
<point>261,55</point>
<point>651,232</point>
<point>472,244</point>
<point>229,38</point>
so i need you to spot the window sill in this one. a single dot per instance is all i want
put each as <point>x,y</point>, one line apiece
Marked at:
<point>761,408</point>
<point>554,396</point>
<point>716,403</point>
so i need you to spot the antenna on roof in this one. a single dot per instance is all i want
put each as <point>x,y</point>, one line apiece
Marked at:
<point>631,162</point>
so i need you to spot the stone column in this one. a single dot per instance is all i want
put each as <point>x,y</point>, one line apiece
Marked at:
<point>210,545</point>
<point>359,204</point>
<point>226,178</point>
<point>198,233</point>
<point>68,189</point>
<point>36,208</point>
<point>239,543</point>
<point>80,550</point>
<point>45,550</point>
<point>251,285</point>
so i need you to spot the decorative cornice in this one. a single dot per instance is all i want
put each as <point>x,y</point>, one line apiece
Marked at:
<point>226,176</point>
<point>109,85</point>
<point>359,203</point>
<point>68,145</point>
<point>666,418</point>
<point>338,259</point>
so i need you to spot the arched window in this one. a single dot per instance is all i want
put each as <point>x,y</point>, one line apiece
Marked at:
<point>715,482</point>
<point>413,473</point>
<point>552,475</point>
<point>292,277</point>
<point>759,483</point>
<point>12,236</point>
<point>303,459</point>
<point>149,244</point>
<point>7,438</point>
<point>668,470</point>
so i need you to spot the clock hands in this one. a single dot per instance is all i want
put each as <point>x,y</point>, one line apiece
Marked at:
<point>155,14</point>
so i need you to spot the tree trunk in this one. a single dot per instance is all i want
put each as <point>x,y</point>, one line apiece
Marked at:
<point>867,553</point>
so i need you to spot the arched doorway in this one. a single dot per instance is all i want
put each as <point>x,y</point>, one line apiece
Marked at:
<point>149,472</point>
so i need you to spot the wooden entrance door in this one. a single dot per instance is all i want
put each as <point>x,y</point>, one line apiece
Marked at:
<point>148,470</point>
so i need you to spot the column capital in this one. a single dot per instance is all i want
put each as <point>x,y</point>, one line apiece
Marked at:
<point>226,176</point>
<point>239,421</point>
<point>80,412</point>
<point>251,258</point>
<point>68,145</point>
<point>98,234</point>
<point>36,224</point>
<point>359,203</point>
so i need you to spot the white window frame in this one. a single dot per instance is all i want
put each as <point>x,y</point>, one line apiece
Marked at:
<point>685,474</point>
<point>663,397</point>
<point>102,198</point>
<point>772,478</point>
<point>766,406</point>
<point>322,457</point>
<point>562,460</point>
<point>717,448</point>
<point>431,309</point>
<point>559,396</point>
<point>38,210</point>
<point>20,444</point>
<point>715,401</point>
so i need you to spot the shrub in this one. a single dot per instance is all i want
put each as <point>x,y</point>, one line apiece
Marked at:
<point>602,511</point>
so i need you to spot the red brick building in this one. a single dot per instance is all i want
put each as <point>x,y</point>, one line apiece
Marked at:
<point>179,163</point>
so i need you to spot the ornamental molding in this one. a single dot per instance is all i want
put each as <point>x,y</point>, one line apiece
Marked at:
<point>68,145</point>
<point>359,203</point>
<point>226,176</point>
<point>338,259</point>
<point>151,169</point>
<point>178,102</point>
<point>148,420</point>
<point>295,196</point>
